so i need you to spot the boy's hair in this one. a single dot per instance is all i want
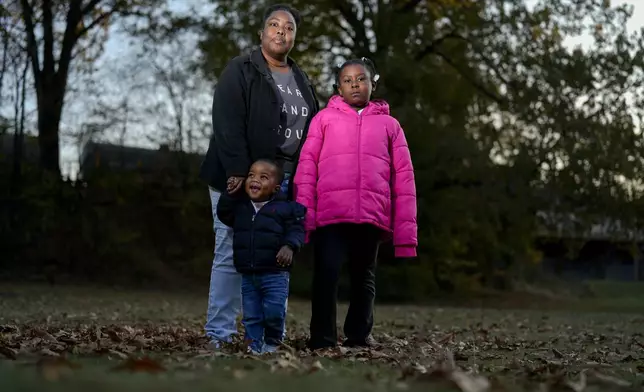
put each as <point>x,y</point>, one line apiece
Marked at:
<point>282,7</point>
<point>279,172</point>
<point>364,61</point>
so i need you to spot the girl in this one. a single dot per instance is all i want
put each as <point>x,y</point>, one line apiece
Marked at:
<point>356,179</point>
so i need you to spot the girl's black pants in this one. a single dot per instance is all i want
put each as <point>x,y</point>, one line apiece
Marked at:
<point>356,246</point>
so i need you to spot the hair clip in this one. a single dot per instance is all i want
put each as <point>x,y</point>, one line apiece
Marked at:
<point>376,77</point>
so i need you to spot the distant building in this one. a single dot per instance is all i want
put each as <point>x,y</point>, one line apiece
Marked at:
<point>101,157</point>
<point>30,149</point>
<point>604,250</point>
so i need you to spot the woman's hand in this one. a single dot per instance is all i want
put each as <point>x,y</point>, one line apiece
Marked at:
<point>234,184</point>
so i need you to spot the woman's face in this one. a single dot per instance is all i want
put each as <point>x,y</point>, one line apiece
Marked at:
<point>278,35</point>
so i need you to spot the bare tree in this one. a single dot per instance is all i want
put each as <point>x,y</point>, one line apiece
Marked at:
<point>19,122</point>
<point>182,94</point>
<point>52,51</point>
<point>105,105</point>
<point>151,95</point>
<point>5,61</point>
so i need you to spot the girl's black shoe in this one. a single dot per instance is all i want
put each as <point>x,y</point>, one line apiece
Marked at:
<point>369,341</point>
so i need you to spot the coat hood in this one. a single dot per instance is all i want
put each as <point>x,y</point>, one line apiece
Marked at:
<point>376,106</point>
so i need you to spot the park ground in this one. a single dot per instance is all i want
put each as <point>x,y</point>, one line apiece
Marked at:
<point>76,338</point>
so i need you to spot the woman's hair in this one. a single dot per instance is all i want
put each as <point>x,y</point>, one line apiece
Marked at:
<point>282,7</point>
<point>365,62</point>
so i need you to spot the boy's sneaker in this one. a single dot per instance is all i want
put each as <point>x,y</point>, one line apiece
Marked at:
<point>251,351</point>
<point>268,348</point>
<point>215,345</point>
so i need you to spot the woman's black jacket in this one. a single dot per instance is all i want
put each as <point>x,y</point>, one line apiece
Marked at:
<point>246,116</point>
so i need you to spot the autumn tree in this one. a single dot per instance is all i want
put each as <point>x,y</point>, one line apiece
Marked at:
<point>56,35</point>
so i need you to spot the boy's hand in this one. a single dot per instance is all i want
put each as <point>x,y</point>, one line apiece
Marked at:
<point>285,256</point>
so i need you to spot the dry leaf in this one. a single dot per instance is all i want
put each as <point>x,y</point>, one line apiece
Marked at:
<point>53,369</point>
<point>118,354</point>
<point>48,352</point>
<point>468,382</point>
<point>142,365</point>
<point>315,367</point>
<point>611,380</point>
<point>447,338</point>
<point>579,386</point>
<point>8,352</point>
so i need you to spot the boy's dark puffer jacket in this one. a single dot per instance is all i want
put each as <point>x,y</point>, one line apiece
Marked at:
<point>258,237</point>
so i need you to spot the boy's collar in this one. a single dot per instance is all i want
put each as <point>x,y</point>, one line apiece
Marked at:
<point>279,196</point>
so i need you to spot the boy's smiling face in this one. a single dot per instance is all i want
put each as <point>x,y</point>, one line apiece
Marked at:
<point>261,182</point>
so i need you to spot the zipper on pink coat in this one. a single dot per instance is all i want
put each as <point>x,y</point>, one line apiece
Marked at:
<point>357,212</point>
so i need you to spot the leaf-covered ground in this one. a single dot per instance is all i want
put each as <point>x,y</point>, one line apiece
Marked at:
<point>80,338</point>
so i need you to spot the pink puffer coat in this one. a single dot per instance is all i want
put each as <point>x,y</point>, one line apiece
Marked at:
<point>356,168</point>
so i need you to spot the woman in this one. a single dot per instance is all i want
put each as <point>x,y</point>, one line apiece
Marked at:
<point>262,108</point>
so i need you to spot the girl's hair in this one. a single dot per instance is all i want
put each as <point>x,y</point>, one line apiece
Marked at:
<point>365,62</point>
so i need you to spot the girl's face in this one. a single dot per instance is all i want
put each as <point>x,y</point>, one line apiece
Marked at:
<point>355,85</point>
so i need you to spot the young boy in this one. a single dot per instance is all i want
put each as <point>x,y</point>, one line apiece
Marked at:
<point>267,231</point>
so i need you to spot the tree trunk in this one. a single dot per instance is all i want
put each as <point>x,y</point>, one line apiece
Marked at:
<point>637,259</point>
<point>19,131</point>
<point>49,114</point>
<point>5,61</point>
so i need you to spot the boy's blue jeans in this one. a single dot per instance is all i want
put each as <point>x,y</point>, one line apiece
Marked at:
<point>264,302</point>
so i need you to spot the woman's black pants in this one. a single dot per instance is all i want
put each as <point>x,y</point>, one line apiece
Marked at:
<point>356,246</point>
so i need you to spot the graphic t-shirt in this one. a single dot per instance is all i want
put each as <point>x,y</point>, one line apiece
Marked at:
<point>297,113</point>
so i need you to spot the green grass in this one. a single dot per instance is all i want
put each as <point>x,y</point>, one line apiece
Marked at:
<point>615,290</point>
<point>621,296</point>
<point>204,374</point>
<point>95,330</point>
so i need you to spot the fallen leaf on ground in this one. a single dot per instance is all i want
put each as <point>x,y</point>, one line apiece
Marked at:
<point>536,350</point>
<point>8,352</point>
<point>610,380</point>
<point>284,362</point>
<point>48,352</point>
<point>468,382</point>
<point>315,367</point>
<point>140,365</point>
<point>579,386</point>
<point>53,369</point>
